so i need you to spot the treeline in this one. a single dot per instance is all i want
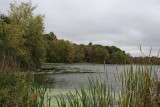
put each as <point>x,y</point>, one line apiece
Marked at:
<point>146,60</point>
<point>22,40</point>
<point>65,51</point>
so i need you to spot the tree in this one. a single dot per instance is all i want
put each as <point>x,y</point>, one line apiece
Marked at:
<point>90,43</point>
<point>50,37</point>
<point>50,50</point>
<point>60,51</point>
<point>88,53</point>
<point>25,34</point>
<point>3,39</point>
<point>79,53</point>
<point>119,57</point>
<point>112,49</point>
<point>100,54</point>
<point>66,51</point>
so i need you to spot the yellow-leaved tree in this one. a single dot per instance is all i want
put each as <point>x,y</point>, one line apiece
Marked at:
<point>25,35</point>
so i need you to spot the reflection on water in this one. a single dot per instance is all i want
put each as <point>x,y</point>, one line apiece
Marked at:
<point>41,79</point>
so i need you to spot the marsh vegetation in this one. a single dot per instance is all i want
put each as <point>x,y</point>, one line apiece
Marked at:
<point>25,47</point>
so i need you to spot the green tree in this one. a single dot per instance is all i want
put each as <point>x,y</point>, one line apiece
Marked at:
<point>50,37</point>
<point>100,54</point>
<point>112,49</point>
<point>60,51</point>
<point>118,57</point>
<point>79,53</point>
<point>3,37</point>
<point>88,53</point>
<point>50,50</point>
<point>66,51</point>
<point>25,34</point>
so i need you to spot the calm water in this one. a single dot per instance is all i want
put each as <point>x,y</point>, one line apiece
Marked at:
<point>62,83</point>
<point>70,80</point>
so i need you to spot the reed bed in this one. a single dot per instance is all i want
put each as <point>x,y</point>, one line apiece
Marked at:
<point>139,87</point>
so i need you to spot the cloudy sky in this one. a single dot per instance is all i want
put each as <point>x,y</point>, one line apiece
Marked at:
<point>126,24</point>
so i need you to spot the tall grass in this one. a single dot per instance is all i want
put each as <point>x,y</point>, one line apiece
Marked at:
<point>139,87</point>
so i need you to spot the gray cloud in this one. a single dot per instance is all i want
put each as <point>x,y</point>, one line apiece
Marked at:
<point>124,23</point>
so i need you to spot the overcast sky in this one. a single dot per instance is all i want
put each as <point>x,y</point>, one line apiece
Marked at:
<point>123,23</point>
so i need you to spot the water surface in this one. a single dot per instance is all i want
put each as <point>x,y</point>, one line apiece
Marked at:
<point>63,82</point>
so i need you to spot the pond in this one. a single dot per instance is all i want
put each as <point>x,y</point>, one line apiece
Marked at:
<point>64,80</point>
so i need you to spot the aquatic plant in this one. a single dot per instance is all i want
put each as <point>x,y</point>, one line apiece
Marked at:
<point>139,87</point>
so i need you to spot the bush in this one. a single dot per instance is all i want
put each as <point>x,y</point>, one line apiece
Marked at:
<point>15,90</point>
